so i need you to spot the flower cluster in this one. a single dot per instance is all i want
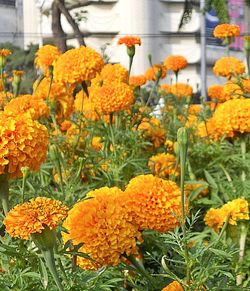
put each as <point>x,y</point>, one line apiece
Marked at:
<point>158,71</point>
<point>173,286</point>
<point>137,81</point>
<point>46,57</point>
<point>234,210</point>
<point>33,216</point>
<point>216,92</point>
<point>226,30</point>
<point>130,41</point>
<point>175,63</point>
<point>163,165</point>
<point>228,67</point>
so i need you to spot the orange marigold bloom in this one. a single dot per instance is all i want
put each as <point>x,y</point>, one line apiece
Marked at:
<point>226,30</point>
<point>232,90</point>
<point>155,72</point>
<point>237,209</point>
<point>173,286</point>
<point>28,103</point>
<point>153,131</point>
<point>130,40</point>
<point>78,65</point>
<point>33,216</point>
<point>137,81</point>
<point>5,52</point>
<point>24,143</point>
<point>83,104</point>
<point>114,72</point>
<point>46,57</point>
<point>228,67</point>
<point>111,97</point>
<point>163,165</point>
<point>181,90</point>
<point>216,92</point>
<point>175,63</point>
<point>154,203</point>
<point>104,226</point>
<point>166,88</point>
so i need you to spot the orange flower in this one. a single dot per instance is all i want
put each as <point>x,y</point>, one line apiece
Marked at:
<point>137,81</point>
<point>154,203</point>
<point>156,72</point>
<point>166,88</point>
<point>163,165</point>
<point>46,57</point>
<point>5,98</point>
<point>130,41</point>
<point>24,143</point>
<point>226,30</point>
<point>216,92</point>
<point>114,72</point>
<point>181,90</point>
<point>33,216</point>
<point>175,63</point>
<point>232,90</point>
<point>104,226</point>
<point>5,52</point>
<point>78,65</point>
<point>228,67</point>
<point>173,286</point>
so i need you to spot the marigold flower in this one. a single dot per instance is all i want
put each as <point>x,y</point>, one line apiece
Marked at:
<point>216,92</point>
<point>169,145</point>
<point>137,81</point>
<point>226,30</point>
<point>175,63</point>
<point>33,216</point>
<point>97,143</point>
<point>166,88</point>
<point>236,209</point>
<point>114,72</point>
<point>189,188</point>
<point>111,97</point>
<point>228,67</point>
<point>181,90</point>
<point>5,52</point>
<point>158,71</point>
<point>153,131</point>
<point>24,143</point>
<point>163,165</point>
<point>46,57</point>
<point>104,226</point>
<point>28,103</point>
<point>78,65</point>
<point>173,286</point>
<point>232,90</point>
<point>130,41</point>
<point>154,203</point>
<point>5,97</point>
<point>83,104</point>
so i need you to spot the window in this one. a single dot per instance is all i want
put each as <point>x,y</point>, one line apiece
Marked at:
<point>8,2</point>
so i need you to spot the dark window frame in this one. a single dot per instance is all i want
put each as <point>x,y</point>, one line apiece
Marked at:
<point>8,2</point>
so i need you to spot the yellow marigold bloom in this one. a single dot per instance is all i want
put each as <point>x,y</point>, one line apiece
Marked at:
<point>46,57</point>
<point>137,81</point>
<point>228,67</point>
<point>112,97</point>
<point>28,103</point>
<point>78,65</point>
<point>194,109</point>
<point>154,203</point>
<point>163,165</point>
<point>114,72</point>
<point>246,85</point>
<point>169,145</point>
<point>5,52</point>
<point>104,226</point>
<point>33,216</point>
<point>166,88</point>
<point>24,143</point>
<point>83,104</point>
<point>181,90</point>
<point>97,143</point>
<point>173,286</point>
<point>226,30</point>
<point>130,41</point>
<point>232,90</point>
<point>155,72</point>
<point>216,92</point>
<point>153,131</point>
<point>175,63</point>
<point>237,209</point>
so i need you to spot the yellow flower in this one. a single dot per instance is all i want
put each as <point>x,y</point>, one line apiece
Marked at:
<point>28,103</point>
<point>155,72</point>
<point>228,67</point>
<point>153,131</point>
<point>154,203</point>
<point>84,105</point>
<point>216,92</point>
<point>33,216</point>
<point>24,143</point>
<point>236,209</point>
<point>46,57</point>
<point>5,52</point>
<point>130,41</point>
<point>173,286</point>
<point>114,72</point>
<point>104,226</point>
<point>232,90</point>
<point>169,145</point>
<point>181,90</point>
<point>97,143</point>
<point>111,97</point>
<point>166,88</point>
<point>137,81</point>
<point>78,65</point>
<point>175,63</point>
<point>226,30</point>
<point>163,165</point>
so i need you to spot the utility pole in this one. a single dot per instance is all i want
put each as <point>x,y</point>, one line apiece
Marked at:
<point>203,68</point>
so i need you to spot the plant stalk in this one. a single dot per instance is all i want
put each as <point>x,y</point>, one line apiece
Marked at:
<point>4,192</point>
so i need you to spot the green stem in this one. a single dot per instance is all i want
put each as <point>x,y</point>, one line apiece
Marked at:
<point>39,80</point>
<point>4,192</point>
<point>243,152</point>
<point>140,268</point>
<point>3,81</point>
<point>50,262</point>
<point>153,90</point>
<point>248,61</point>
<point>130,65</point>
